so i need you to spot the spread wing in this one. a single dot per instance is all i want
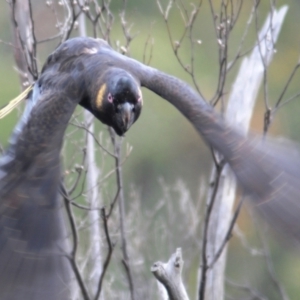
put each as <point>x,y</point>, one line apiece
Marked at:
<point>33,249</point>
<point>33,236</point>
<point>269,171</point>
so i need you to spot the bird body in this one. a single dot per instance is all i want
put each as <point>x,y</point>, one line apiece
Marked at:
<point>85,71</point>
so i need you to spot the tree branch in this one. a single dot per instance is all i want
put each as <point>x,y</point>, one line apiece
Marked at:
<point>169,274</point>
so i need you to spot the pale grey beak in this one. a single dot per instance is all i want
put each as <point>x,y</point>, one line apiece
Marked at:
<point>127,114</point>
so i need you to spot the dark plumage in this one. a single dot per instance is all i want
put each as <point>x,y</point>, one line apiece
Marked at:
<point>88,72</point>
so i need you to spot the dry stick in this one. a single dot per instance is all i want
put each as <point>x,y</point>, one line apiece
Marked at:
<point>112,205</point>
<point>241,43</point>
<point>93,195</point>
<point>126,30</point>
<point>76,182</point>
<point>297,95</point>
<point>125,260</point>
<point>83,207</point>
<point>234,17</point>
<point>286,86</point>
<point>148,41</point>
<point>188,28</point>
<point>72,256</point>
<point>222,34</point>
<point>70,18</point>
<point>191,22</point>
<point>24,41</point>
<point>204,263</point>
<point>80,193</point>
<point>169,274</point>
<point>239,110</point>
<point>32,48</point>
<point>107,21</point>
<point>228,234</point>
<point>86,10</point>
<point>267,118</point>
<point>94,137</point>
<point>79,170</point>
<point>192,45</point>
<point>255,294</point>
<point>100,10</point>
<point>108,255</point>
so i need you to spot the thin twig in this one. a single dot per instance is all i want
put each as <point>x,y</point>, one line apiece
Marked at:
<point>109,253</point>
<point>72,256</point>
<point>287,85</point>
<point>94,137</point>
<point>125,259</point>
<point>228,234</point>
<point>204,262</point>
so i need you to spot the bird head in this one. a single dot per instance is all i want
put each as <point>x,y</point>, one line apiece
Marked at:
<point>117,100</point>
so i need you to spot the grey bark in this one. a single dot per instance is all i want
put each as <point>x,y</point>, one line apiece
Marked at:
<point>24,41</point>
<point>169,275</point>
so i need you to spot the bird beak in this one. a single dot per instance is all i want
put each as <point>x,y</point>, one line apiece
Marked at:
<point>127,115</point>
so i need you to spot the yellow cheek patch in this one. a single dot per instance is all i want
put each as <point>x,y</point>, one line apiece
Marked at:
<point>141,96</point>
<point>100,95</point>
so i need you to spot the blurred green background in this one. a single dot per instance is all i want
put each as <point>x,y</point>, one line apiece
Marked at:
<point>164,144</point>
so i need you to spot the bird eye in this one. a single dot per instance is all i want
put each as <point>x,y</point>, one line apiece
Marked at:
<point>110,98</point>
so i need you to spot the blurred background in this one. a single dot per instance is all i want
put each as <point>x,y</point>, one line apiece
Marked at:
<point>169,161</point>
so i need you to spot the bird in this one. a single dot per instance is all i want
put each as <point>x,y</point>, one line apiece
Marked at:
<point>34,249</point>
<point>34,253</point>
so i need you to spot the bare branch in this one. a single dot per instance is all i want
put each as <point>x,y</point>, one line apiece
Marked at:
<point>125,259</point>
<point>277,105</point>
<point>72,256</point>
<point>24,41</point>
<point>169,274</point>
<point>109,253</point>
<point>227,236</point>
